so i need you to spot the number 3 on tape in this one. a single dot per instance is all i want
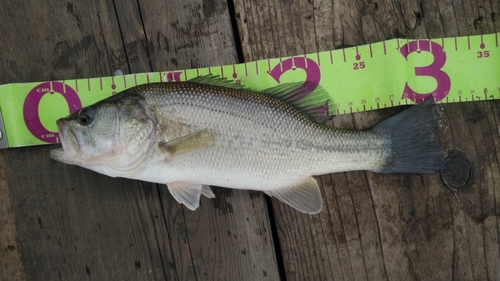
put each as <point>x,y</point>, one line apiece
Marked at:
<point>432,70</point>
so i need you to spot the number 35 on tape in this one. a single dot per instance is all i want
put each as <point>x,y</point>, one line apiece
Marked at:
<point>361,78</point>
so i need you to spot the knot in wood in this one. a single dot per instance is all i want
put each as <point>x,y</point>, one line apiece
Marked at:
<point>457,171</point>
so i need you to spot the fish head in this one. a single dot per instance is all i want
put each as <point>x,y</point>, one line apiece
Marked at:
<point>115,132</point>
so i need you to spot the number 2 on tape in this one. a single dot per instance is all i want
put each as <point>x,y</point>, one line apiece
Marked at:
<point>313,73</point>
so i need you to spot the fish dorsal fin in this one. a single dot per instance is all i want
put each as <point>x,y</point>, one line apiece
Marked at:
<point>187,193</point>
<point>307,97</point>
<point>303,196</point>
<point>213,80</point>
<point>199,140</point>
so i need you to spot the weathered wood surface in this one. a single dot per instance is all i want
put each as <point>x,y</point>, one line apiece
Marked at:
<point>74,224</point>
<point>66,223</point>
<point>443,226</point>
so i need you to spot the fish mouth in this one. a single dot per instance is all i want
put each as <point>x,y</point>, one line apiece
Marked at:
<point>69,140</point>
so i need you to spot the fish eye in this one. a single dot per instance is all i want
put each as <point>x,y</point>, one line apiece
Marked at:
<point>86,116</point>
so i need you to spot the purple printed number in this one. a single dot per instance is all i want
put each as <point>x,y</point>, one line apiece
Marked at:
<point>313,74</point>
<point>483,54</point>
<point>32,102</point>
<point>173,76</point>
<point>358,65</point>
<point>432,70</point>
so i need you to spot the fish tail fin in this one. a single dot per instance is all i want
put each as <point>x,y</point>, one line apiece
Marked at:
<point>412,147</point>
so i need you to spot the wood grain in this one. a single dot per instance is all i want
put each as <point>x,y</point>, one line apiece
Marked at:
<point>235,224</point>
<point>11,263</point>
<point>65,223</point>
<point>73,224</point>
<point>442,226</point>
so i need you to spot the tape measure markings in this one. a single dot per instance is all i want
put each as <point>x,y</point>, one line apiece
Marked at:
<point>377,75</point>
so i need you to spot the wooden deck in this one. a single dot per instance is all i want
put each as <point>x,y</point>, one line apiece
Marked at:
<point>59,222</point>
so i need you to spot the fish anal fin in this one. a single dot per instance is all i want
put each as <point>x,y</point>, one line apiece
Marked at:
<point>207,191</point>
<point>187,193</point>
<point>303,196</point>
<point>199,140</point>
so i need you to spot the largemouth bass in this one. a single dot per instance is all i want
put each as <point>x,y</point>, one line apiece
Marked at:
<point>208,131</point>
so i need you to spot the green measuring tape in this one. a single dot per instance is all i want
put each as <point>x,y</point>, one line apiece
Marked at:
<point>380,75</point>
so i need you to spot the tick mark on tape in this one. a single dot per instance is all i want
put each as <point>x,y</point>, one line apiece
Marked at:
<point>234,72</point>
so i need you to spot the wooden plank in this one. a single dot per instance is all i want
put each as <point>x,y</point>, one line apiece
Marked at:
<point>74,224</point>
<point>11,264</point>
<point>235,224</point>
<point>398,227</point>
<point>51,205</point>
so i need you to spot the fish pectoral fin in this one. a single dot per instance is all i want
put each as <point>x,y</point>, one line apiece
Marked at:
<point>185,144</point>
<point>187,193</point>
<point>207,191</point>
<point>303,196</point>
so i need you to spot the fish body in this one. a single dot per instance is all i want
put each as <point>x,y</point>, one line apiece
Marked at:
<point>189,135</point>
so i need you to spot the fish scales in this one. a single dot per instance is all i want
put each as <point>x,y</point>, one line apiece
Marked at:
<point>208,132</point>
<point>247,127</point>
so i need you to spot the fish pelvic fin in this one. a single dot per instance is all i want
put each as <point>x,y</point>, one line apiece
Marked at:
<point>199,140</point>
<point>303,196</point>
<point>412,147</point>
<point>187,193</point>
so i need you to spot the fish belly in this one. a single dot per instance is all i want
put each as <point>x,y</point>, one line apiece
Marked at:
<point>245,160</point>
